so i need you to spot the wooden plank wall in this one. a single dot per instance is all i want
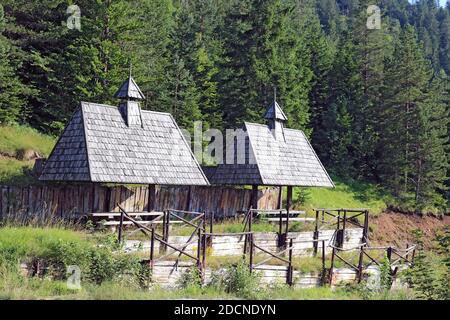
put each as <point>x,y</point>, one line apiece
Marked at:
<point>72,201</point>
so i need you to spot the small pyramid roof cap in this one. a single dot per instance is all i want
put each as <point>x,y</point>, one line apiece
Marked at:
<point>274,112</point>
<point>129,90</point>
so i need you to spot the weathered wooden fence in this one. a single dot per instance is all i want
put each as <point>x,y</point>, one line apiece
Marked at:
<point>71,201</point>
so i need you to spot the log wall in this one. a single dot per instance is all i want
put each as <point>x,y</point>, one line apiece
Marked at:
<point>72,201</point>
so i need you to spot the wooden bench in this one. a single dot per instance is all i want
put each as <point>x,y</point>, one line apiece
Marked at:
<point>111,219</point>
<point>284,219</point>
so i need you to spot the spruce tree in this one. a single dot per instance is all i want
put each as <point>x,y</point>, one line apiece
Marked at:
<point>369,55</point>
<point>414,135</point>
<point>237,95</point>
<point>12,91</point>
<point>430,156</point>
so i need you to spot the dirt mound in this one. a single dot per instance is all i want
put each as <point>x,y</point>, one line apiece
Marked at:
<point>393,228</point>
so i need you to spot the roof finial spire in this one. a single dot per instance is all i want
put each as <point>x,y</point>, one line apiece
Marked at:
<point>129,90</point>
<point>274,111</point>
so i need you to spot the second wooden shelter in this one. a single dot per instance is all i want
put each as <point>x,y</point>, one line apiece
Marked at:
<point>274,156</point>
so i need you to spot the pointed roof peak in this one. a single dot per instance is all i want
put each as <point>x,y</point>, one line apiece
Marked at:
<point>129,90</point>
<point>274,112</point>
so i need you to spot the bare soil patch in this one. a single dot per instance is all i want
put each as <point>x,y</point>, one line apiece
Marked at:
<point>393,228</point>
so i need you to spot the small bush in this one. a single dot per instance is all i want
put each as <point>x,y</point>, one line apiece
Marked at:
<point>429,276</point>
<point>237,279</point>
<point>56,249</point>
<point>192,278</point>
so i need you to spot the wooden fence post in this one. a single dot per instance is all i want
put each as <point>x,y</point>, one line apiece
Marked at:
<point>290,271</point>
<point>389,253</point>
<point>251,252</point>
<point>323,261</point>
<point>360,263</point>
<point>152,248</point>
<point>332,266</point>
<point>204,247</point>
<point>316,234</point>
<point>211,229</point>
<point>120,227</point>
<point>199,250</point>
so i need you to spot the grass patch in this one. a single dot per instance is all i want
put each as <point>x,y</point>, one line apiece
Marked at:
<point>13,171</point>
<point>16,138</point>
<point>347,194</point>
<point>108,274</point>
<point>15,142</point>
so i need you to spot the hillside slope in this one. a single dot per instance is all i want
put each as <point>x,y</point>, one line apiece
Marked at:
<point>19,147</point>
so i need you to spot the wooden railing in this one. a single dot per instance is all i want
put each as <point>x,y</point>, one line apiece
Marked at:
<point>164,238</point>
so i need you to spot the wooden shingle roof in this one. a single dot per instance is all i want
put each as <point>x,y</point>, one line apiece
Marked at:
<point>129,90</point>
<point>275,112</point>
<point>98,145</point>
<point>278,162</point>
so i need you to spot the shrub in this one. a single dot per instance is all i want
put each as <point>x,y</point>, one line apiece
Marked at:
<point>429,276</point>
<point>237,279</point>
<point>192,278</point>
<point>56,249</point>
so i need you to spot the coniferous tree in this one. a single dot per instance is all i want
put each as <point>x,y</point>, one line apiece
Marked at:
<point>236,88</point>
<point>12,91</point>
<point>430,160</point>
<point>414,130</point>
<point>406,81</point>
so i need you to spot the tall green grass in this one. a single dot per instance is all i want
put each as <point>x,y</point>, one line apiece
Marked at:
<point>13,171</point>
<point>346,194</point>
<point>16,138</point>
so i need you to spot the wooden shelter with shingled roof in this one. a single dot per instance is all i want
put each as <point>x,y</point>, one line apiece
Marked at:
<point>123,144</point>
<point>274,156</point>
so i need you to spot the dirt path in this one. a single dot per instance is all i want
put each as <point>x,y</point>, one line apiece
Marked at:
<point>392,228</point>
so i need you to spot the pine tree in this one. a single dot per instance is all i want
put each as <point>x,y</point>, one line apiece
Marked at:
<point>237,95</point>
<point>198,44</point>
<point>263,50</point>
<point>11,90</point>
<point>322,54</point>
<point>369,55</point>
<point>337,125</point>
<point>407,117</point>
<point>430,152</point>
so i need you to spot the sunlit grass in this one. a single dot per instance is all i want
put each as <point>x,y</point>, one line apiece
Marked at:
<point>14,171</point>
<point>16,138</point>
<point>346,194</point>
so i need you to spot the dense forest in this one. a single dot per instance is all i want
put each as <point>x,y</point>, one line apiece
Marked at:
<point>373,99</point>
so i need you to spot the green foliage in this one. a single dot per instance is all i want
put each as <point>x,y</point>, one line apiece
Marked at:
<point>58,249</point>
<point>238,280</point>
<point>348,193</point>
<point>191,279</point>
<point>12,90</point>
<point>429,275</point>
<point>13,139</point>
<point>373,101</point>
<point>386,278</point>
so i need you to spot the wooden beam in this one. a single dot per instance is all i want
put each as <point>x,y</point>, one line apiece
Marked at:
<point>280,198</point>
<point>151,198</point>
<point>254,201</point>
<point>288,206</point>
